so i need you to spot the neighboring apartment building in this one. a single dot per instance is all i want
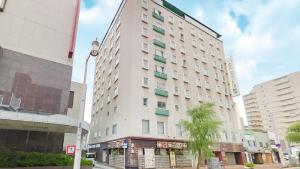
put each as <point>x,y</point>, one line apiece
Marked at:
<point>258,147</point>
<point>37,41</point>
<point>155,63</point>
<point>76,93</point>
<point>274,105</point>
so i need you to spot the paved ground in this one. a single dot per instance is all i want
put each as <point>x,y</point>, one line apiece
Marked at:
<point>265,166</point>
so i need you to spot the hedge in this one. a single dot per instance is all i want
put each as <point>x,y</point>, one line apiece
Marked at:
<point>26,159</point>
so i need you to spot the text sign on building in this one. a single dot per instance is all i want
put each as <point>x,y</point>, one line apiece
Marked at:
<point>149,158</point>
<point>70,150</point>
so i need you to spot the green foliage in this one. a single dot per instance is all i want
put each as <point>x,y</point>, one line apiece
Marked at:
<point>293,133</point>
<point>249,165</point>
<point>203,129</point>
<point>26,159</point>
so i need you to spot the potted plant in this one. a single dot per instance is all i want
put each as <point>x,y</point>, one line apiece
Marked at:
<point>249,166</point>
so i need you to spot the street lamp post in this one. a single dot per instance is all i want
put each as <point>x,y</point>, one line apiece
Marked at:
<point>94,52</point>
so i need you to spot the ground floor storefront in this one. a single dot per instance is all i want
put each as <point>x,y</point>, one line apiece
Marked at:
<point>153,153</point>
<point>259,157</point>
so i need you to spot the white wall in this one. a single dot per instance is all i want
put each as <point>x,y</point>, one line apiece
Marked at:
<point>37,28</point>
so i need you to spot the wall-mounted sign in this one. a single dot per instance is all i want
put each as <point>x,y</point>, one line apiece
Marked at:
<point>172,159</point>
<point>175,145</point>
<point>149,158</point>
<point>70,150</point>
<point>115,144</point>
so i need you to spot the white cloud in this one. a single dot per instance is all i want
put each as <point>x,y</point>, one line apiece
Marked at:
<point>273,26</point>
<point>101,12</point>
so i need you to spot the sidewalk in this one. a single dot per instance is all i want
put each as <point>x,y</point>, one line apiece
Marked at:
<point>102,166</point>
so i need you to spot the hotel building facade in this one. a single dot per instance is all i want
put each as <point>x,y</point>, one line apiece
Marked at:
<point>274,105</point>
<point>155,63</point>
<point>37,40</point>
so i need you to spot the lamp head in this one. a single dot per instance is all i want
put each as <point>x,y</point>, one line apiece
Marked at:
<point>95,48</point>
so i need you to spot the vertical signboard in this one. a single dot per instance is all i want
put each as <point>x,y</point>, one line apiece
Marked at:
<point>172,159</point>
<point>70,150</point>
<point>149,158</point>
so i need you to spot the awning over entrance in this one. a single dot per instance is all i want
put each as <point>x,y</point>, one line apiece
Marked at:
<point>39,122</point>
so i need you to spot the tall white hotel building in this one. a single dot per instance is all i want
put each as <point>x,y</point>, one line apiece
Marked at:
<point>155,63</point>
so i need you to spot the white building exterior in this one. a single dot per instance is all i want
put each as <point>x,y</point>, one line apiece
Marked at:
<point>155,64</point>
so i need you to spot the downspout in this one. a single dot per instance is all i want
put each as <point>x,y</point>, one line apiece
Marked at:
<point>74,30</point>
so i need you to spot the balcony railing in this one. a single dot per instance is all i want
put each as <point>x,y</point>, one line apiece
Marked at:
<point>158,30</point>
<point>162,112</point>
<point>157,16</point>
<point>161,92</point>
<point>160,59</point>
<point>159,43</point>
<point>160,75</point>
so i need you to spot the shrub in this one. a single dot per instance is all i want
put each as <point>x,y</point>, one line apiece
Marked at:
<point>30,159</point>
<point>249,165</point>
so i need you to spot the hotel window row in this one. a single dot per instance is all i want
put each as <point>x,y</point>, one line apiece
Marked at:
<point>161,126</point>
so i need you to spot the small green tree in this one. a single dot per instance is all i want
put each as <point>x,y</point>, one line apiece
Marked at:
<point>293,133</point>
<point>203,129</point>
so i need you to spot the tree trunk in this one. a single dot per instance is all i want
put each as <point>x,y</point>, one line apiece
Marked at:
<point>199,159</point>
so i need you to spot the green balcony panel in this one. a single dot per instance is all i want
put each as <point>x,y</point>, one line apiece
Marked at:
<point>157,16</point>
<point>158,30</point>
<point>160,75</point>
<point>160,59</point>
<point>159,43</point>
<point>162,112</point>
<point>161,92</point>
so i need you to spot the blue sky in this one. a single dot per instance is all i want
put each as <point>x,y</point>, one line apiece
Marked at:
<point>262,36</point>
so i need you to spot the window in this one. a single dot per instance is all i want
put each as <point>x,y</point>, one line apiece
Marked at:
<point>145,4</point>
<point>176,90</point>
<point>187,92</point>
<point>180,25</point>
<point>145,31</point>
<point>175,74</point>
<point>182,49</point>
<point>193,32</point>
<point>114,129</point>
<point>174,58</point>
<point>261,144</point>
<point>177,107</point>
<point>161,104</point>
<point>160,69</point>
<point>108,113</point>
<point>71,99</point>
<point>181,37</point>
<point>95,134</point>
<point>233,136</point>
<point>184,63</point>
<point>145,47</point>
<point>254,143</point>
<point>145,127</point>
<point>161,84</point>
<point>157,11</point>
<point>144,18</point>
<point>99,133</point>
<point>145,81</point>
<point>145,64</point>
<point>160,128</point>
<point>159,52</point>
<point>145,101</point>
<point>171,19</point>
<point>107,131</point>
<point>178,130</point>
<point>172,32</point>
<point>115,109</point>
<point>172,45</point>
<point>194,43</point>
<point>116,92</point>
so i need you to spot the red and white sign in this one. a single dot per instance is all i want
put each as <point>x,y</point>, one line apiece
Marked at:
<point>71,150</point>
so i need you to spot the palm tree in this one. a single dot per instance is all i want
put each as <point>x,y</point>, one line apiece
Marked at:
<point>202,130</point>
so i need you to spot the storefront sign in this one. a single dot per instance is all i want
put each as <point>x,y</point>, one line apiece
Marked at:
<point>70,150</point>
<point>149,158</point>
<point>172,159</point>
<point>115,144</point>
<point>175,145</point>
